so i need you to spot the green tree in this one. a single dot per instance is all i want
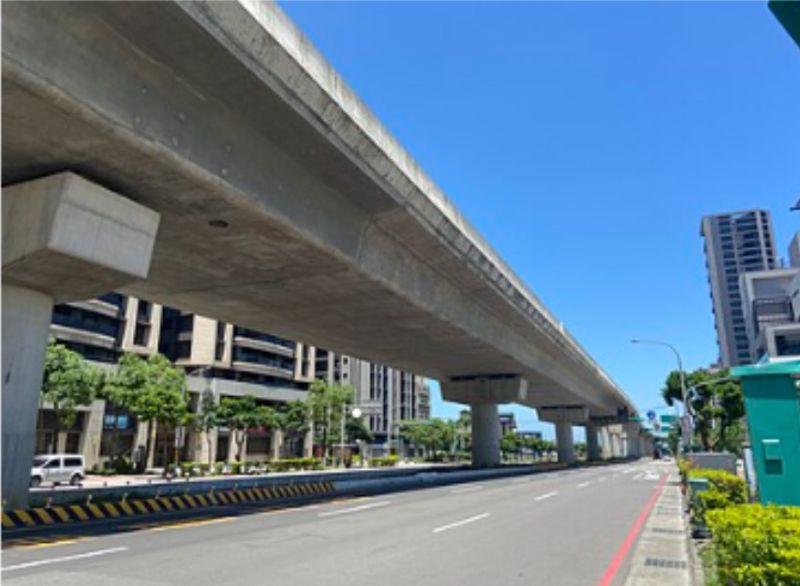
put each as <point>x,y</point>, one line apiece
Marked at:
<point>510,444</point>
<point>714,403</point>
<point>434,435</point>
<point>207,419</point>
<point>295,417</point>
<point>239,415</point>
<point>120,391</point>
<point>69,382</point>
<point>153,390</point>
<point>328,402</point>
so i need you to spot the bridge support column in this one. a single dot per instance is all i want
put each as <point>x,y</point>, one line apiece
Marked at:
<point>592,443</point>
<point>64,238</point>
<point>483,393</point>
<point>632,440</point>
<point>564,443</point>
<point>616,443</point>
<point>485,435</point>
<point>605,443</point>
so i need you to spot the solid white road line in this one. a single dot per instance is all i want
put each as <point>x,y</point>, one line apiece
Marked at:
<point>583,485</point>
<point>466,489</point>
<point>354,509</point>
<point>546,496</point>
<point>638,476</point>
<point>66,558</point>
<point>460,523</point>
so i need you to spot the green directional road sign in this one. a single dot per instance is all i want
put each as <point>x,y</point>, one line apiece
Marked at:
<point>668,419</point>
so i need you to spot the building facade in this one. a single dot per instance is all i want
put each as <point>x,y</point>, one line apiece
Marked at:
<point>735,243</point>
<point>768,309</point>
<point>220,358</point>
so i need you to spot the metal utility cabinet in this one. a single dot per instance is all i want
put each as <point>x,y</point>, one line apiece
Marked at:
<point>772,402</point>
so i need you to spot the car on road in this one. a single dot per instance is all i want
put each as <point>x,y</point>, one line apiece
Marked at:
<point>57,469</point>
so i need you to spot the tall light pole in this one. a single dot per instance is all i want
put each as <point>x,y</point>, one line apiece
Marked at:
<point>684,397</point>
<point>356,412</point>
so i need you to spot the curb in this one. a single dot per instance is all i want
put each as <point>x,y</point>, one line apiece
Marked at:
<point>78,513</point>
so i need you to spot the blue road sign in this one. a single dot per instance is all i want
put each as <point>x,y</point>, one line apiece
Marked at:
<point>651,415</point>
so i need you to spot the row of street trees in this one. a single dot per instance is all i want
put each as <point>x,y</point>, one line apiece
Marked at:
<point>716,406</point>
<point>153,390</point>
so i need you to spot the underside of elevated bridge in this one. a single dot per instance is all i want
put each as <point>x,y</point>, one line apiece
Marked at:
<point>278,202</point>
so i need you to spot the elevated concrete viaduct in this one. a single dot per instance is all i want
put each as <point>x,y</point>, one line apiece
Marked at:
<point>276,201</point>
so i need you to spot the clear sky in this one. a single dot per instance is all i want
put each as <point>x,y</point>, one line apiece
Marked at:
<point>585,141</point>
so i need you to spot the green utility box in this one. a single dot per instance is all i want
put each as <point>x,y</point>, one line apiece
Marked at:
<point>772,403</point>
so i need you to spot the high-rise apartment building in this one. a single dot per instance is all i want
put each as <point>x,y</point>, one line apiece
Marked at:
<point>386,396</point>
<point>735,243</point>
<point>794,251</point>
<point>770,318</point>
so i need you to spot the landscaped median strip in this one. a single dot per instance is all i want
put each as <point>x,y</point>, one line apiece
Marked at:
<point>58,514</point>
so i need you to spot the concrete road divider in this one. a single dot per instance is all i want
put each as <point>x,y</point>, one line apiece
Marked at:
<point>89,511</point>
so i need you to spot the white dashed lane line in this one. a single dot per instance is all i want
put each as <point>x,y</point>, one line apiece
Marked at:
<point>354,509</point>
<point>461,523</point>
<point>463,489</point>
<point>546,496</point>
<point>67,558</point>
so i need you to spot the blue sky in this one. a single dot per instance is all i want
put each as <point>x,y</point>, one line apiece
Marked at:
<point>585,141</point>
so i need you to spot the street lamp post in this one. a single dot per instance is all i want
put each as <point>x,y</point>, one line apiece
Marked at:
<point>684,397</point>
<point>356,412</point>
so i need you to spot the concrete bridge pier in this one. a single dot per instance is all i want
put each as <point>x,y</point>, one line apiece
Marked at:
<point>592,443</point>
<point>485,435</point>
<point>564,417</point>
<point>565,443</point>
<point>615,441</point>
<point>632,444</point>
<point>64,238</point>
<point>605,443</point>
<point>483,393</point>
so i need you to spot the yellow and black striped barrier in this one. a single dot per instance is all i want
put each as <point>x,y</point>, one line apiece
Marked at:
<point>57,514</point>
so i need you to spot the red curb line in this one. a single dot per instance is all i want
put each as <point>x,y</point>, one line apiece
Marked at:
<point>616,562</point>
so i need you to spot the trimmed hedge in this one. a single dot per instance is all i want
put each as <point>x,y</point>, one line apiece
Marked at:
<point>725,490</point>
<point>386,462</point>
<point>287,464</point>
<point>756,545</point>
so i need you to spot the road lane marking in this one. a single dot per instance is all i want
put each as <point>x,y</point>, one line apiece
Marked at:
<point>583,485</point>
<point>460,523</point>
<point>603,479</point>
<point>546,496</point>
<point>354,509</point>
<point>191,524</point>
<point>638,476</point>
<point>289,510</point>
<point>67,558</point>
<point>466,489</point>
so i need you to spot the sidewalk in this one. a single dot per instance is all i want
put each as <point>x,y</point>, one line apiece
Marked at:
<point>661,556</point>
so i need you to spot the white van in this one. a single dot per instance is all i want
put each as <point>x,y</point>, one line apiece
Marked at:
<point>57,468</point>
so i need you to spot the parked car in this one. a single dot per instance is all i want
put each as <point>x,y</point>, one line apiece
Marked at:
<point>57,468</point>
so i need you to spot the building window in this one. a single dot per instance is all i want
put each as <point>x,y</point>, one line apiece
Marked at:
<point>144,311</point>
<point>141,335</point>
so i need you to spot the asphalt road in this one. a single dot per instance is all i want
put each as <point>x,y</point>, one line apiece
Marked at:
<point>558,528</point>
